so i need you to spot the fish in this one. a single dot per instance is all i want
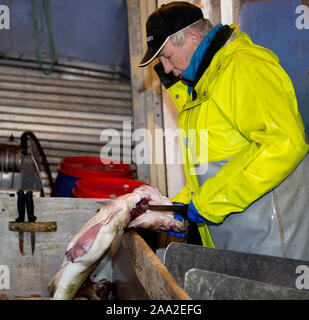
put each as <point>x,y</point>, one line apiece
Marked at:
<point>89,246</point>
<point>94,290</point>
<point>153,194</point>
<point>155,220</point>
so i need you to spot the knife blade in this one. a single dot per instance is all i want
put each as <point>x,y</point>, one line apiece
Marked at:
<point>155,207</point>
<point>174,208</point>
<point>31,216</point>
<point>21,218</point>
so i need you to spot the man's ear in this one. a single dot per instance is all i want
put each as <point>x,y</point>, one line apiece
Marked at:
<point>195,35</point>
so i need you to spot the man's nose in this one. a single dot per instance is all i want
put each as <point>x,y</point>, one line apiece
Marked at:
<point>167,66</point>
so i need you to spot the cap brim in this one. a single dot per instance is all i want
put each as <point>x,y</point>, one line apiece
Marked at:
<point>152,53</point>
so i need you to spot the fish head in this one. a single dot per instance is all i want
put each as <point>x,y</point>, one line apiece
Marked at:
<point>123,206</point>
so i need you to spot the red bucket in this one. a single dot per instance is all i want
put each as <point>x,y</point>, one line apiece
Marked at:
<point>81,167</point>
<point>101,187</point>
<point>71,169</point>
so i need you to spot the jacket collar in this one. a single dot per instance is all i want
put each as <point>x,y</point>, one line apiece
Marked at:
<point>189,74</point>
<point>219,39</point>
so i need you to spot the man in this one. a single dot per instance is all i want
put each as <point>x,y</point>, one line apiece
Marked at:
<point>243,140</point>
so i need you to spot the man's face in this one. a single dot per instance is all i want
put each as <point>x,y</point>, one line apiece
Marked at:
<point>176,59</point>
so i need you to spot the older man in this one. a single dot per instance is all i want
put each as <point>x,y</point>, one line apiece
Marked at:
<point>243,138</point>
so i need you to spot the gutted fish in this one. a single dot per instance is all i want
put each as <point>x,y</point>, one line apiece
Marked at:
<point>153,194</point>
<point>89,246</point>
<point>94,290</point>
<point>154,220</point>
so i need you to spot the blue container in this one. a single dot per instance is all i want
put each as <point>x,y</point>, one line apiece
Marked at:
<point>65,184</point>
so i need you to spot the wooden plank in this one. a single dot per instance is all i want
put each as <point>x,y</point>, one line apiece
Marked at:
<point>24,70</point>
<point>119,86</point>
<point>49,97</point>
<point>61,90</point>
<point>14,61</point>
<point>50,226</point>
<point>107,109</point>
<point>51,135</point>
<point>153,275</point>
<point>50,120</point>
<point>52,128</point>
<point>97,116</point>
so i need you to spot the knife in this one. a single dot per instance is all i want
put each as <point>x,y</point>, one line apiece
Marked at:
<point>31,216</point>
<point>183,209</point>
<point>21,218</point>
<point>163,207</point>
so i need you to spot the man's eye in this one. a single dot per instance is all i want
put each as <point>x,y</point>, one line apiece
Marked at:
<point>164,58</point>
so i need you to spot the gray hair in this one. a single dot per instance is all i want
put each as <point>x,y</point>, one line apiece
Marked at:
<point>203,26</point>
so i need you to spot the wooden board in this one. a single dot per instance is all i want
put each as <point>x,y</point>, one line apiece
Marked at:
<point>152,274</point>
<point>50,226</point>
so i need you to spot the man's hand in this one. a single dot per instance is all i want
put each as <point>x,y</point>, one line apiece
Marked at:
<point>179,217</point>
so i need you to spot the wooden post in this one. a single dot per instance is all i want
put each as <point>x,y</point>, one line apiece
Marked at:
<point>146,94</point>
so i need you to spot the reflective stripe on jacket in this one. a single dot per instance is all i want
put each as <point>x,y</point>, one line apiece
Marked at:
<point>251,137</point>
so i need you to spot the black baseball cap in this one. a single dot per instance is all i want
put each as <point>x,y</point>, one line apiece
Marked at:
<point>164,22</point>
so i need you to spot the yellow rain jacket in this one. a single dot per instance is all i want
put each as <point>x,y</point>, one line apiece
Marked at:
<point>249,138</point>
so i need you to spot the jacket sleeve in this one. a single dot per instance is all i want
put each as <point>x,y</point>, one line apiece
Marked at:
<point>258,101</point>
<point>183,196</point>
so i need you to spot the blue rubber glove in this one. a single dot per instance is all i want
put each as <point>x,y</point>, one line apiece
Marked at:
<point>177,216</point>
<point>194,215</point>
